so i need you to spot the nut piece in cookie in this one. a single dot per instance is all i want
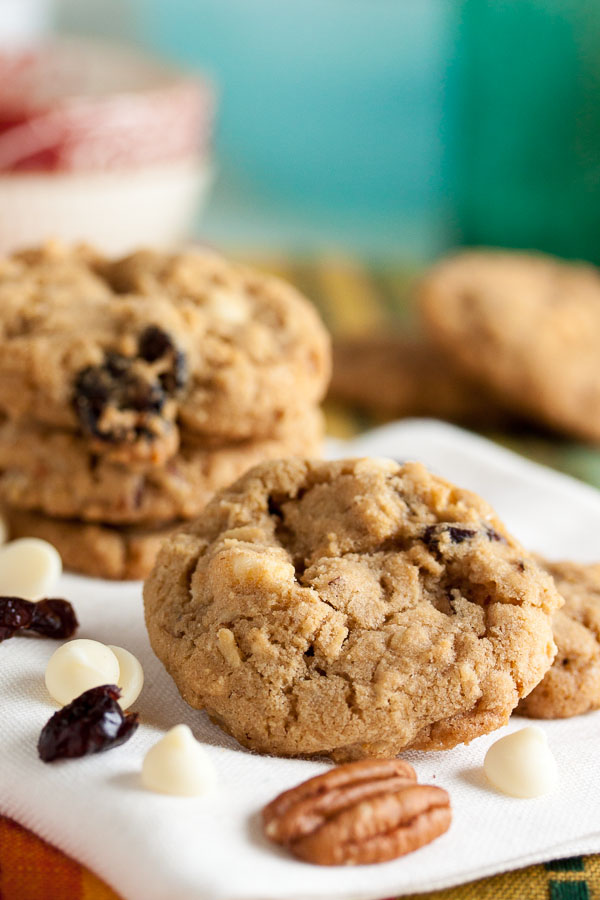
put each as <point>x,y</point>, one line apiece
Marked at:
<point>350,608</point>
<point>572,685</point>
<point>363,812</point>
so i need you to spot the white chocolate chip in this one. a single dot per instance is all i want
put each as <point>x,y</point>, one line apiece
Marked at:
<point>521,764</point>
<point>265,567</point>
<point>78,666</point>
<point>228,647</point>
<point>131,676</point>
<point>29,568</point>
<point>178,765</point>
<point>383,463</point>
<point>229,307</point>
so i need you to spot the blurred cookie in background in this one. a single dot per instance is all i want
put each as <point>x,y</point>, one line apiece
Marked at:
<point>398,376</point>
<point>526,328</point>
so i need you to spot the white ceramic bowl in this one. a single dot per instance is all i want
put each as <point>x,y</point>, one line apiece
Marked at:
<point>114,211</point>
<point>101,144</point>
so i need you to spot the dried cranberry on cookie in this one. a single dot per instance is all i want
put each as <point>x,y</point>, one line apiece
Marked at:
<point>127,352</point>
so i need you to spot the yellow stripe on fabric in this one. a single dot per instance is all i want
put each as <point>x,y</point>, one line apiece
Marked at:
<point>94,889</point>
<point>524,884</point>
<point>397,290</point>
<point>352,303</point>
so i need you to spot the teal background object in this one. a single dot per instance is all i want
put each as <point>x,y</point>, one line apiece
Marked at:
<point>530,160</point>
<point>393,128</point>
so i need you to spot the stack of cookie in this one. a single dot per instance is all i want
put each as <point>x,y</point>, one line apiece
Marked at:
<point>131,390</point>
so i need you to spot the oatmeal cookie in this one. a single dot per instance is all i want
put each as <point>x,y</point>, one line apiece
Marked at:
<point>127,352</point>
<point>55,473</point>
<point>572,685</point>
<point>351,608</point>
<point>525,326</point>
<point>102,551</point>
<point>401,376</point>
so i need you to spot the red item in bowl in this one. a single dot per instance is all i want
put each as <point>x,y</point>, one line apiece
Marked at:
<point>84,106</point>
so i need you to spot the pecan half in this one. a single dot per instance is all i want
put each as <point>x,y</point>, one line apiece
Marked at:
<point>364,812</point>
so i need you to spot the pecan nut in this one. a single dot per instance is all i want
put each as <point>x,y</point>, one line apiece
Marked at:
<point>364,812</point>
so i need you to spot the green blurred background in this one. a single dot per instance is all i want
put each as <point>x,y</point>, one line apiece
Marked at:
<point>389,128</point>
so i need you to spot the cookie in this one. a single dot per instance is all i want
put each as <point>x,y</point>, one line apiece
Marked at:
<point>350,609</point>
<point>55,473</point>
<point>526,327</point>
<point>97,550</point>
<point>128,352</point>
<point>400,376</point>
<point>572,685</point>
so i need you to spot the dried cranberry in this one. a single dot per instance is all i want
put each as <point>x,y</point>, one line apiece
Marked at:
<point>174,380</point>
<point>139,384</point>
<point>154,343</point>
<point>457,534</point>
<point>14,615</point>
<point>52,618</point>
<point>91,723</point>
<point>494,535</point>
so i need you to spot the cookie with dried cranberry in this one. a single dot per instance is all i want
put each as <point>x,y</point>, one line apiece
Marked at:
<point>525,327</point>
<point>350,609</point>
<point>127,352</point>
<point>55,473</point>
<point>572,685</point>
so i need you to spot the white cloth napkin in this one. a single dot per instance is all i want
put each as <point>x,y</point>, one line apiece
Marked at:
<point>152,847</point>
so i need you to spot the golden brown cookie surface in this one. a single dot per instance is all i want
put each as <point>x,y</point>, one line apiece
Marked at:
<point>572,685</point>
<point>55,473</point>
<point>351,609</point>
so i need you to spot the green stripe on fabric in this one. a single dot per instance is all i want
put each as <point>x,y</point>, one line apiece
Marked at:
<point>569,890</point>
<point>572,864</point>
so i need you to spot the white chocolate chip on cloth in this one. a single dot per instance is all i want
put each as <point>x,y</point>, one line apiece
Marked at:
<point>521,764</point>
<point>82,664</point>
<point>29,568</point>
<point>178,765</point>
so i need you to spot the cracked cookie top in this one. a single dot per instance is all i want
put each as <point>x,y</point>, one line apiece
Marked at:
<point>128,351</point>
<point>350,608</point>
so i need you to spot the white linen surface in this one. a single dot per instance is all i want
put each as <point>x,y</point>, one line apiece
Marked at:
<point>152,847</point>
